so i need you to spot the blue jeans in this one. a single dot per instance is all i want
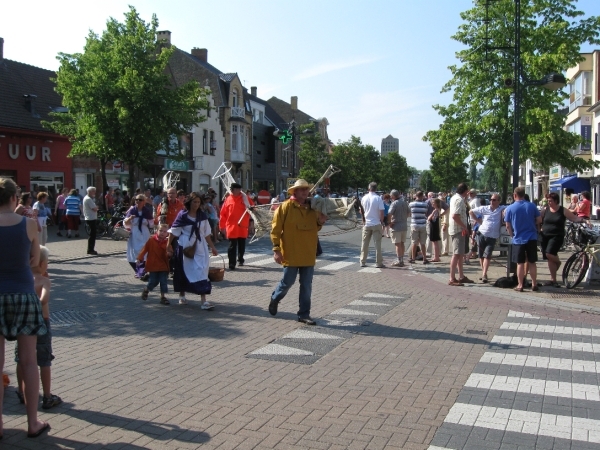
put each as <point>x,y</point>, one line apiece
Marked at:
<point>288,280</point>
<point>156,278</point>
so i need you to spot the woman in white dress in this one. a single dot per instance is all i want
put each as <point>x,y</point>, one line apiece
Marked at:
<point>138,218</point>
<point>191,227</point>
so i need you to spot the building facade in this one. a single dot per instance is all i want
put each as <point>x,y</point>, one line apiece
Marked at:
<point>390,144</point>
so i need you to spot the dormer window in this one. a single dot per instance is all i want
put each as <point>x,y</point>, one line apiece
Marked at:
<point>235,98</point>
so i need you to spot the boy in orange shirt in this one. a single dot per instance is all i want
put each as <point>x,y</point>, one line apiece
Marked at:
<point>157,263</point>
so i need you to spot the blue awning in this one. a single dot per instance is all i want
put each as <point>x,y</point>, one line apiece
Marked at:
<point>572,182</point>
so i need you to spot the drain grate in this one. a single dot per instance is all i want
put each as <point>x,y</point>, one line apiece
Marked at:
<point>577,294</point>
<point>69,317</point>
<point>477,332</point>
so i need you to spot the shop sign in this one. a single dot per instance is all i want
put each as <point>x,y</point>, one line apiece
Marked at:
<point>172,164</point>
<point>14,150</point>
<point>554,173</point>
<point>586,132</point>
<point>113,183</point>
<point>291,182</point>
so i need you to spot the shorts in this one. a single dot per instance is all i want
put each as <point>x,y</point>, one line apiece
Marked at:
<point>418,236</point>
<point>43,348</point>
<point>552,244</point>
<point>458,244</point>
<point>525,252</point>
<point>20,314</point>
<point>398,237</point>
<point>485,246</point>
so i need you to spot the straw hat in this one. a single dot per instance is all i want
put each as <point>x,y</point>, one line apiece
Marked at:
<point>299,184</point>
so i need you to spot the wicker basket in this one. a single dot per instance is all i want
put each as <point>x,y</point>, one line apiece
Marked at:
<point>216,274</point>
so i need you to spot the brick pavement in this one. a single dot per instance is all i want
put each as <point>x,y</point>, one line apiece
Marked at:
<point>140,375</point>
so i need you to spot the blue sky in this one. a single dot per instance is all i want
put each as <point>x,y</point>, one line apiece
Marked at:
<point>372,68</point>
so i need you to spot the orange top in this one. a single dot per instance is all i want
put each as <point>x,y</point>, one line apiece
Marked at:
<point>157,260</point>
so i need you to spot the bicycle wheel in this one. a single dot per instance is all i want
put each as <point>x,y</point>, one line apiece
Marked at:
<point>102,228</point>
<point>575,269</point>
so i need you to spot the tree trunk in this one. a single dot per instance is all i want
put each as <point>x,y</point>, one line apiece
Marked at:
<point>103,163</point>
<point>131,181</point>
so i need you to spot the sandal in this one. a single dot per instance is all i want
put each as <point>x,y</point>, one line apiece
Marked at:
<point>145,293</point>
<point>518,289</point>
<point>164,301</point>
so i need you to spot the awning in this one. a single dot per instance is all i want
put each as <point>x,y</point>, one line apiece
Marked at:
<point>572,182</point>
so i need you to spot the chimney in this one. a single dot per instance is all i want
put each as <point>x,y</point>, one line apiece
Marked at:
<point>1,49</point>
<point>294,103</point>
<point>164,36</point>
<point>253,90</point>
<point>30,101</point>
<point>200,53</point>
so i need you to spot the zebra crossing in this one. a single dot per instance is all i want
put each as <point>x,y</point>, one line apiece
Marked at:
<point>536,387</point>
<point>306,346</point>
<point>330,262</point>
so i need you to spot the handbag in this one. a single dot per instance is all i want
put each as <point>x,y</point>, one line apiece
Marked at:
<point>190,251</point>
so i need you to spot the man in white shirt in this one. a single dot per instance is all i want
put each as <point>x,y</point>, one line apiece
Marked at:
<point>474,201</point>
<point>90,212</point>
<point>489,219</point>
<point>373,208</point>
<point>458,232</point>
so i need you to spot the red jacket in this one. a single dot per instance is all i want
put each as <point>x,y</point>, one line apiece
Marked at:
<point>157,260</point>
<point>232,210</point>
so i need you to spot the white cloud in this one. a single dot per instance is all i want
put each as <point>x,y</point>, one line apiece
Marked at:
<point>331,67</point>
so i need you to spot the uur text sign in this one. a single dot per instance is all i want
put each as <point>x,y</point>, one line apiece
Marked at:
<point>29,151</point>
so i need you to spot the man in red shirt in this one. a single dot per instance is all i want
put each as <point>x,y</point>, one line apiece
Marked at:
<point>169,208</point>
<point>232,211</point>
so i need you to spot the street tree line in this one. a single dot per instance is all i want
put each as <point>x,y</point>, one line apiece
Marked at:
<point>477,126</point>
<point>359,164</point>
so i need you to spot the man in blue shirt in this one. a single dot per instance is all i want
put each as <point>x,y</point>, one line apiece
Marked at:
<point>522,222</point>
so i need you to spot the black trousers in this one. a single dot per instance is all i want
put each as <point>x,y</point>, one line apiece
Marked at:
<point>237,247</point>
<point>92,238</point>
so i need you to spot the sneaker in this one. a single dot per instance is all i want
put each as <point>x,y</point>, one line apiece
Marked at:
<point>363,265</point>
<point>241,263</point>
<point>182,301</point>
<point>207,306</point>
<point>273,307</point>
<point>307,320</point>
<point>396,264</point>
<point>49,402</point>
<point>92,252</point>
<point>380,266</point>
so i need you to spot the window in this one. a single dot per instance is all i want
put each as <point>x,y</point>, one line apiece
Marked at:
<point>242,146</point>
<point>247,140</point>
<point>284,157</point>
<point>213,143</point>
<point>205,142</point>
<point>580,91</point>
<point>247,179</point>
<point>234,138</point>
<point>234,95</point>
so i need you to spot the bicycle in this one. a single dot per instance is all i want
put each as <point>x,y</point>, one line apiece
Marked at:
<point>578,263</point>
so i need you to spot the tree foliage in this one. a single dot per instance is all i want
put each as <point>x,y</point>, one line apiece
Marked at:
<point>121,105</point>
<point>393,172</point>
<point>358,162</point>
<point>479,121</point>
<point>313,153</point>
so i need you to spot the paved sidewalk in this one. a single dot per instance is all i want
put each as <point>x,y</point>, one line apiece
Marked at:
<point>394,348</point>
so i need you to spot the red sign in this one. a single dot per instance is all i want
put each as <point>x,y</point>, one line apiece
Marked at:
<point>264,197</point>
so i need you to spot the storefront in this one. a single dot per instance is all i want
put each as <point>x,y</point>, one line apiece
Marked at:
<point>36,163</point>
<point>568,185</point>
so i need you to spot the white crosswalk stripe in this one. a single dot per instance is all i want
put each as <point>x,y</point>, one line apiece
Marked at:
<point>528,422</point>
<point>579,331</point>
<point>541,362</point>
<point>547,343</point>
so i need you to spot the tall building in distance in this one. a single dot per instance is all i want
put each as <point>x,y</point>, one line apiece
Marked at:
<point>390,144</point>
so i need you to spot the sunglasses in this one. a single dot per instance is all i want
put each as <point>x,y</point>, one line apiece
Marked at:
<point>139,199</point>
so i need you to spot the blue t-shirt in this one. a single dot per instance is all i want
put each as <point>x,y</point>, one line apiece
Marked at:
<point>522,217</point>
<point>73,205</point>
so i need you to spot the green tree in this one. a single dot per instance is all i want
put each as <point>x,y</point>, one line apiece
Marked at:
<point>313,154</point>
<point>393,172</point>
<point>448,167</point>
<point>358,162</point>
<point>427,183</point>
<point>480,119</point>
<point>121,105</point>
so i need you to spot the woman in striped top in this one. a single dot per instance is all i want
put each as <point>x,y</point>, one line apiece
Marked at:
<point>73,214</point>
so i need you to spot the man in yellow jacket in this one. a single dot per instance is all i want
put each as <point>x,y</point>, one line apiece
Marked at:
<point>294,235</point>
